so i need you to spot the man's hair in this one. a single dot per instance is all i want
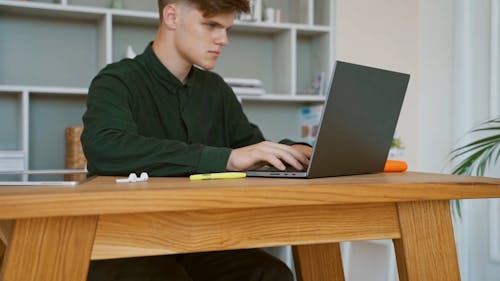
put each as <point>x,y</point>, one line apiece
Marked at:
<point>210,7</point>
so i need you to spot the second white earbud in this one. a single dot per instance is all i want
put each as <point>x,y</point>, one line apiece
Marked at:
<point>144,176</point>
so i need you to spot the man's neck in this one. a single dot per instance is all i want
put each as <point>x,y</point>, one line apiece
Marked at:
<point>169,57</point>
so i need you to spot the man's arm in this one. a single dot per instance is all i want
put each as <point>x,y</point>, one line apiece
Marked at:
<point>250,149</point>
<point>113,145</point>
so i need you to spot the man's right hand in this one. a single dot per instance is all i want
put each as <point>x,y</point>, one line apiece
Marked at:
<point>273,153</point>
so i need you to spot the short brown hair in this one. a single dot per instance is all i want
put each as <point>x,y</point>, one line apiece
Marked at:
<point>211,7</point>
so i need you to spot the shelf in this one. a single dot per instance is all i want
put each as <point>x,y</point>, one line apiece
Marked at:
<point>130,16</point>
<point>58,46</point>
<point>260,27</point>
<point>312,30</point>
<point>15,89</point>
<point>283,98</point>
<point>135,17</point>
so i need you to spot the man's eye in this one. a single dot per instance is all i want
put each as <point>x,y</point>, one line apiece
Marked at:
<point>211,25</point>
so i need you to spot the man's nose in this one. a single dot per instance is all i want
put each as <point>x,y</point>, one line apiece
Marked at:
<point>222,38</point>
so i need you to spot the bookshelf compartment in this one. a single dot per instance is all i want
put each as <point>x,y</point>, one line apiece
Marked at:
<point>322,12</point>
<point>294,11</point>
<point>91,3</point>
<point>141,5</point>
<point>137,36</point>
<point>10,122</point>
<point>312,59</point>
<point>131,5</point>
<point>49,116</point>
<point>285,114</point>
<point>266,57</point>
<point>70,52</point>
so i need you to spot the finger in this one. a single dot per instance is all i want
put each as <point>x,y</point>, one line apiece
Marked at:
<point>292,161</point>
<point>296,153</point>
<point>284,156</point>
<point>306,150</point>
<point>290,155</point>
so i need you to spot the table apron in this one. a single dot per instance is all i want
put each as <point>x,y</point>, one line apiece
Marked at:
<point>145,234</point>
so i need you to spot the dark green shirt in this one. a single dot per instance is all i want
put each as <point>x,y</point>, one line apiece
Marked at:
<point>140,117</point>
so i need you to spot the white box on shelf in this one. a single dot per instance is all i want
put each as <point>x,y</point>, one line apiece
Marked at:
<point>248,91</point>
<point>244,86</point>
<point>11,161</point>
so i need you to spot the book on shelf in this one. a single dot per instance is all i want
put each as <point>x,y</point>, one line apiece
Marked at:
<point>309,119</point>
<point>317,87</point>
<point>245,86</point>
<point>248,91</point>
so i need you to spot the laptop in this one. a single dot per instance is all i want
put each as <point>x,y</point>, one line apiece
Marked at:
<point>357,124</point>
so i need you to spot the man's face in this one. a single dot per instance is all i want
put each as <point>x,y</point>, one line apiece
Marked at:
<point>199,40</point>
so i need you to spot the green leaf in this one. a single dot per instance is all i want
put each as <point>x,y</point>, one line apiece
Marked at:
<point>481,153</point>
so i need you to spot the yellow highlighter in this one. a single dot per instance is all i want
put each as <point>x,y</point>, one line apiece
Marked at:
<point>218,176</point>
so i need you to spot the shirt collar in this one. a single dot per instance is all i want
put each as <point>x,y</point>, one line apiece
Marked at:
<point>162,74</point>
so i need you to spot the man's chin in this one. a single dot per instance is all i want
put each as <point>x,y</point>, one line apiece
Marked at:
<point>206,65</point>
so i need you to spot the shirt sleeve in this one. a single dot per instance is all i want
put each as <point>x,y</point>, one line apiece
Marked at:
<point>241,131</point>
<point>113,146</point>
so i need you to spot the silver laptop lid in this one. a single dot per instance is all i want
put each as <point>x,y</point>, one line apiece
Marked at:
<point>358,121</point>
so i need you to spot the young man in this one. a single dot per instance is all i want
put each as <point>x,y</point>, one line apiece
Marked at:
<point>159,114</point>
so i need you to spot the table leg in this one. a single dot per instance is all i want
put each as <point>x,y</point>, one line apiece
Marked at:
<point>2,252</point>
<point>318,262</point>
<point>49,249</point>
<point>426,249</point>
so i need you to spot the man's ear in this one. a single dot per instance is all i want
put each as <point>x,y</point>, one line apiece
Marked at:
<point>170,15</point>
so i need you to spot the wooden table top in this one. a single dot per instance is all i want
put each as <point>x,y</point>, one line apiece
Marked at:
<point>101,195</point>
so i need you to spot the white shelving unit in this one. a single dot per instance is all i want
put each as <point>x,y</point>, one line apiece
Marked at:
<point>50,51</point>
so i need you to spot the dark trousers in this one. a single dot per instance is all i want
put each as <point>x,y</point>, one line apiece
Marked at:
<point>238,265</point>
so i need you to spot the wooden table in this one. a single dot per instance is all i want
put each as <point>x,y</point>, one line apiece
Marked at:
<point>52,233</point>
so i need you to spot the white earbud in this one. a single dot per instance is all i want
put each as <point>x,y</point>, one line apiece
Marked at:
<point>132,177</point>
<point>144,176</point>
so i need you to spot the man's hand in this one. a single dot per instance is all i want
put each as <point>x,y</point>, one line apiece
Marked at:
<point>304,149</point>
<point>273,153</point>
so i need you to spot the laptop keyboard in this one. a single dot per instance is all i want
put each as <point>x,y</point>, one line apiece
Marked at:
<point>270,168</point>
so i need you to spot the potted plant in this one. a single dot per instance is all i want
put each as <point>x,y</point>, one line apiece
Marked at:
<point>482,152</point>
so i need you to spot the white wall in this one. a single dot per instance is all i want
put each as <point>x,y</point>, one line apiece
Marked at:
<point>477,98</point>
<point>451,48</point>
<point>435,71</point>
<point>384,33</point>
